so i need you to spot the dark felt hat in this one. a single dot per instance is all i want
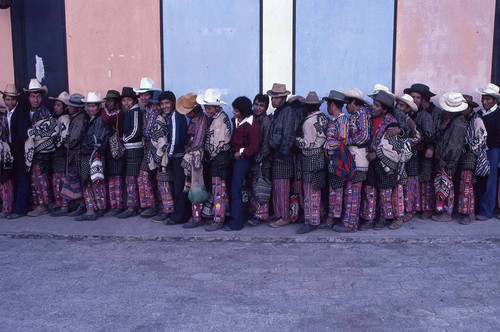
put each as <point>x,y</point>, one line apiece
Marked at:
<point>335,96</point>
<point>423,89</point>
<point>112,94</point>
<point>385,99</point>
<point>470,101</point>
<point>127,91</point>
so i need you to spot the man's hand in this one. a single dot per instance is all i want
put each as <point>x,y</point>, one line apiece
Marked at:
<point>393,131</point>
<point>429,153</point>
<point>371,156</point>
<point>237,155</point>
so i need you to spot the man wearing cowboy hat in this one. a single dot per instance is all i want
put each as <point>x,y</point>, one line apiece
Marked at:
<point>196,134</point>
<point>450,140</point>
<point>281,140</point>
<point>8,169</point>
<point>382,175</point>
<point>113,116</point>
<point>475,141</point>
<point>41,161</point>
<point>58,160</point>
<point>491,118</point>
<point>421,95</point>
<point>311,138</point>
<point>145,181</point>
<point>92,153</point>
<point>403,129</point>
<point>336,135</point>
<point>134,148</point>
<point>407,106</point>
<point>357,139</point>
<point>177,139</point>
<point>217,153</point>
<point>262,166</point>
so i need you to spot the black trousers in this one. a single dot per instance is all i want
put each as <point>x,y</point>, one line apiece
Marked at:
<point>21,185</point>
<point>182,206</point>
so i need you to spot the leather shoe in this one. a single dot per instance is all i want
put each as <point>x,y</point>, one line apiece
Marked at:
<point>253,221</point>
<point>342,229</point>
<point>15,216</point>
<point>426,215</point>
<point>79,211</point>
<point>396,223</point>
<point>160,217</point>
<point>59,213</point>
<point>86,217</point>
<point>442,217</point>
<point>279,223</point>
<point>38,211</point>
<point>113,212</point>
<point>468,219</point>
<point>214,226</point>
<point>100,213</point>
<point>366,225</point>
<point>306,228</point>
<point>482,217</point>
<point>380,224</point>
<point>126,214</point>
<point>149,213</point>
<point>192,223</point>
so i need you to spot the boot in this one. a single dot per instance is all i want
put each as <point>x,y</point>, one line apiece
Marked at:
<point>380,224</point>
<point>396,223</point>
<point>442,217</point>
<point>306,228</point>
<point>366,225</point>
<point>468,219</point>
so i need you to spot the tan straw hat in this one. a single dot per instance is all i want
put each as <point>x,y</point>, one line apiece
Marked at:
<point>278,90</point>
<point>10,90</point>
<point>186,103</point>
<point>408,100</point>
<point>63,97</point>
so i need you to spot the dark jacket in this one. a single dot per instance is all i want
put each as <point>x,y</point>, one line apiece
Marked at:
<point>96,136</point>
<point>19,124</point>
<point>177,133</point>
<point>492,124</point>
<point>132,125</point>
<point>282,130</point>
<point>450,142</point>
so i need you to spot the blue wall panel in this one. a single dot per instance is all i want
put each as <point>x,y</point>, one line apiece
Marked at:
<point>212,44</point>
<point>342,44</point>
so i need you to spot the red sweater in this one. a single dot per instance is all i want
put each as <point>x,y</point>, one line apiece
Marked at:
<point>245,137</point>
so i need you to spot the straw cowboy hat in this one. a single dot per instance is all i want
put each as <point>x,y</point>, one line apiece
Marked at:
<point>36,86</point>
<point>470,101</point>
<point>423,89</point>
<point>490,90</point>
<point>278,90</point>
<point>10,90</point>
<point>293,98</point>
<point>453,102</point>
<point>93,98</point>
<point>312,99</point>
<point>211,97</point>
<point>186,103</point>
<point>379,87</point>
<point>112,94</point>
<point>63,97</point>
<point>75,100</point>
<point>408,100</point>
<point>147,85</point>
<point>335,96</point>
<point>355,94</point>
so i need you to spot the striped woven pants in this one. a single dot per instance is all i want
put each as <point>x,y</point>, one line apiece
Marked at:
<point>40,188</point>
<point>281,198</point>
<point>94,195</point>
<point>221,199</point>
<point>132,192</point>
<point>7,196</point>
<point>57,183</point>
<point>165,189</point>
<point>352,204</point>
<point>412,194</point>
<point>146,191</point>
<point>312,204</point>
<point>115,192</point>
<point>398,201</point>
<point>427,196</point>
<point>335,200</point>
<point>466,202</point>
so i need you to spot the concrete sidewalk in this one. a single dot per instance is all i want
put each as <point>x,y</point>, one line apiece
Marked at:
<point>141,229</point>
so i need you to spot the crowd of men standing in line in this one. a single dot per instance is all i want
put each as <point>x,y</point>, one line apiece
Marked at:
<point>183,161</point>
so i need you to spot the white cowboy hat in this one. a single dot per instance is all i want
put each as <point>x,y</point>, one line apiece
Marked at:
<point>356,94</point>
<point>379,87</point>
<point>211,97</point>
<point>36,86</point>
<point>453,102</point>
<point>408,100</point>
<point>10,90</point>
<point>147,84</point>
<point>63,97</point>
<point>93,98</point>
<point>490,90</point>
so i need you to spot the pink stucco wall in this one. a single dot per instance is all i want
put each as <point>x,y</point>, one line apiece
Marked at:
<point>6,57</point>
<point>112,44</point>
<point>446,44</point>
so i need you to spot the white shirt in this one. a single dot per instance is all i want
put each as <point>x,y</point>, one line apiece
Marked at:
<point>491,110</point>
<point>9,117</point>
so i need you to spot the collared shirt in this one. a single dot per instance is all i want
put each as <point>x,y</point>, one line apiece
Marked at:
<point>9,117</point>
<point>491,110</point>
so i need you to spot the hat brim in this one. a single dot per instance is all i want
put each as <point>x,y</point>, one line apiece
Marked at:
<point>43,89</point>
<point>473,104</point>
<point>180,108</point>
<point>327,99</point>
<point>444,106</point>
<point>116,97</point>
<point>423,93</point>
<point>139,90</point>
<point>411,104</point>
<point>491,94</point>
<point>59,99</point>
<point>10,94</point>
<point>271,93</point>
<point>319,102</point>
<point>200,100</point>
<point>362,100</point>
<point>92,101</point>
<point>68,103</point>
